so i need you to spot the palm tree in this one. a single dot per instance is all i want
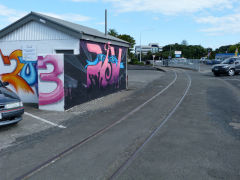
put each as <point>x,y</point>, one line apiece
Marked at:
<point>112,32</point>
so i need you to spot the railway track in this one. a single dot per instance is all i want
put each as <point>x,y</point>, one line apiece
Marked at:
<point>99,132</point>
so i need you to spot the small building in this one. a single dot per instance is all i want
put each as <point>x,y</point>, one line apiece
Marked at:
<point>223,56</point>
<point>59,64</point>
<point>144,49</point>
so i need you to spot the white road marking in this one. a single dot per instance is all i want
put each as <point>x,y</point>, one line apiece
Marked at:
<point>44,120</point>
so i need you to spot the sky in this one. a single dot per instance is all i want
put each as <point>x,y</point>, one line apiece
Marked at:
<point>210,23</point>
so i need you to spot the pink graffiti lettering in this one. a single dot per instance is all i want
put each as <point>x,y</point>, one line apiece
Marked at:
<point>104,72</point>
<point>116,69</point>
<point>94,48</point>
<point>112,51</point>
<point>58,93</point>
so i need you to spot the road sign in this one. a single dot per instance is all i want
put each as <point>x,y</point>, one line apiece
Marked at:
<point>178,52</point>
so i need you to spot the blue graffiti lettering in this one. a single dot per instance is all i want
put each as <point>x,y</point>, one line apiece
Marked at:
<point>102,57</point>
<point>29,72</point>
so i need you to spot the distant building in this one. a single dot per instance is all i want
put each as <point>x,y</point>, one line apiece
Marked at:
<point>152,47</point>
<point>224,55</point>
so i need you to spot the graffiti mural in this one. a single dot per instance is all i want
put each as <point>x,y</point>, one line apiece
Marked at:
<point>58,82</point>
<point>21,74</point>
<point>51,83</point>
<point>104,70</point>
<point>99,70</point>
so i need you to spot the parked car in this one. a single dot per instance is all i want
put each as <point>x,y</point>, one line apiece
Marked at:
<point>230,66</point>
<point>217,61</point>
<point>11,107</point>
<point>209,62</point>
<point>203,59</point>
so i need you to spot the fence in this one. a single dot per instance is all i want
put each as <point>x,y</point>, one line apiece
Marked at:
<point>183,63</point>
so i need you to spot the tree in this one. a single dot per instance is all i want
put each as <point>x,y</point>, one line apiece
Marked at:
<point>113,32</point>
<point>197,51</point>
<point>233,48</point>
<point>127,38</point>
<point>149,55</point>
<point>223,49</point>
<point>228,48</point>
<point>188,51</point>
<point>124,37</point>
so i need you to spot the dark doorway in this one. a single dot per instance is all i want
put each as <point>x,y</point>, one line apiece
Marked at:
<point>64,51</point>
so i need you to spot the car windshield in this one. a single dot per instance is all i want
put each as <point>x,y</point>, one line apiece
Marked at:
<point>228,61</point>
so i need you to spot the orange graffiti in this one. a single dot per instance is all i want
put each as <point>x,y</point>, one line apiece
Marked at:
<point>13,78</point>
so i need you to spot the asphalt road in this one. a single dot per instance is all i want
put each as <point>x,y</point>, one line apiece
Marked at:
<point>36,121</point>
<point>182,125</point>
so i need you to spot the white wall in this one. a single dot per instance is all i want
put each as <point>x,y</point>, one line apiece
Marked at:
<point>44,38</point>
<point>43,47</point>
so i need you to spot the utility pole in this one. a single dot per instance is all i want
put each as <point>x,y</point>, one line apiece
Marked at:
<point>105,22</point>
<point>140,48</point>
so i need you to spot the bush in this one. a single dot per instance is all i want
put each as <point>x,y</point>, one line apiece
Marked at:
<point>148,63</point>
<point>136,62</point>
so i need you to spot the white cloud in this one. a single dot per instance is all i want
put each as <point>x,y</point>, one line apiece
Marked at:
<point>221,25</point>
<point>168,7</point>
<point>11,15</point>
<point>4,11</point>
<point>84,0</point>
<point>69,17</point>
<point>100,23</point>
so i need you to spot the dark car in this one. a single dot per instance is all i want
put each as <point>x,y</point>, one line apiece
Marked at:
<point>11,107</point>
<point>230,66</point>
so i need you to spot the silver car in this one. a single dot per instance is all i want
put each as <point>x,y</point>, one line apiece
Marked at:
<point>229,66</point>
<point>11,107</point>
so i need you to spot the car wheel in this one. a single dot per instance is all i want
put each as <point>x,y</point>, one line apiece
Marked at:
<point>216,74</point>
<point>231,72</point>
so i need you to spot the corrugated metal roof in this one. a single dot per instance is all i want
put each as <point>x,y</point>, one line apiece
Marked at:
<point>76,30</point>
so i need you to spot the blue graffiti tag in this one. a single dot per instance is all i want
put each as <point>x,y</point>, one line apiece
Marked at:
<point>102,57</point>
<point>29,72</point>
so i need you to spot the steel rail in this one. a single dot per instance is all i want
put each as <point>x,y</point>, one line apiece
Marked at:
<point>132,157</point>
<point>92,136</point>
